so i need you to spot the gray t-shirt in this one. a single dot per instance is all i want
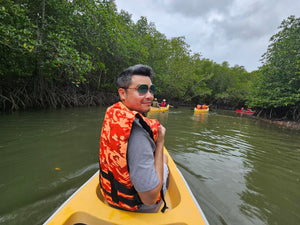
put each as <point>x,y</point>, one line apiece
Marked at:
<point>142,173</point>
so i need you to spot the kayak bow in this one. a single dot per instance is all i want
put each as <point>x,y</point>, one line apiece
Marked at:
<point>159,109</point>
<point>201,110</point>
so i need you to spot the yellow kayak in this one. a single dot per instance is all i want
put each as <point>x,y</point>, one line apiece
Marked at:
<point>160,109</point>
<point>87,206</point>
<point>201,110</point>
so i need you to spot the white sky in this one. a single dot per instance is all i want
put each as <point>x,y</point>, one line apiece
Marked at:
<point>236,31</point>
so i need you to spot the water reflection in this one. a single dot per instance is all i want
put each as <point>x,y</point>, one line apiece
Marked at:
<point>245,164</point>
<point>200,119</point>
<point>32,145</point>
<point>273,182</point>
<point>247,115</point>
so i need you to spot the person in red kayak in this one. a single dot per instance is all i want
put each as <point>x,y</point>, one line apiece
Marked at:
<point>163,103</point>
<point>133,167</point>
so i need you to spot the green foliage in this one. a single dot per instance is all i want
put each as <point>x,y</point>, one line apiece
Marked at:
<point>16,39</point>
<point>15,27</point>
<point>278,85</point>
<point>230,86</point>
<point>87,43</point>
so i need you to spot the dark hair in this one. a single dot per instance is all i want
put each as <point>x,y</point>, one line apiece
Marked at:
<point>124,79</point>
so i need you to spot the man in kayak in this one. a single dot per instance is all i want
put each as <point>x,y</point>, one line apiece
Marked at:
<point>133,167</point>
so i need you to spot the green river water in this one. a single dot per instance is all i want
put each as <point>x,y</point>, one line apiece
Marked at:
<point>241,170</point>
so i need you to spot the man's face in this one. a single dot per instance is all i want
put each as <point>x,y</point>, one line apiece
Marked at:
<point>133,99</point>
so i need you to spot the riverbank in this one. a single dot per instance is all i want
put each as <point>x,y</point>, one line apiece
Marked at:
<point>286,124</point>
<point>294,125</point>
<point>52,97</point>
<point>79,99</point>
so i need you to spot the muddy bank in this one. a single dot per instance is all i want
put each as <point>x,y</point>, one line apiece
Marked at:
<point>284,124</point>
<point>47,97</point>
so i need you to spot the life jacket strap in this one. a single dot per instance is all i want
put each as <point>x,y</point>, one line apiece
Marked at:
<point>145,125</point>
<point>163,198</point>
<point>117,186</point>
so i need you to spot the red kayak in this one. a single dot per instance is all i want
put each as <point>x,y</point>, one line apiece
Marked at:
<point>245,111</point>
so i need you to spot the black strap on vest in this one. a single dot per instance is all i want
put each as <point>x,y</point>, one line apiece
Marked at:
<point>163,198</point>
<point>145,125</point>
<point>117,186</point>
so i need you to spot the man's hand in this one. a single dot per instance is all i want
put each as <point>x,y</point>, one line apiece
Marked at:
<point>161,135</point>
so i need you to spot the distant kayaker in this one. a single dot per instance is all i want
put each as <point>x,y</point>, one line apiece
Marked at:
<point>155,103</point>
<point>163,103</point>
<point>202,106</point>
<point>133,167</point>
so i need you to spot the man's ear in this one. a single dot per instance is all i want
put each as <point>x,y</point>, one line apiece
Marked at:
<point>122,94</point>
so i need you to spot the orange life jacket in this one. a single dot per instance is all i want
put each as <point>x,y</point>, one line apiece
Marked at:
<point>115,182</point>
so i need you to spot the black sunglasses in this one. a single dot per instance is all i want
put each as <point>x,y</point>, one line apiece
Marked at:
<point>143,88</point>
